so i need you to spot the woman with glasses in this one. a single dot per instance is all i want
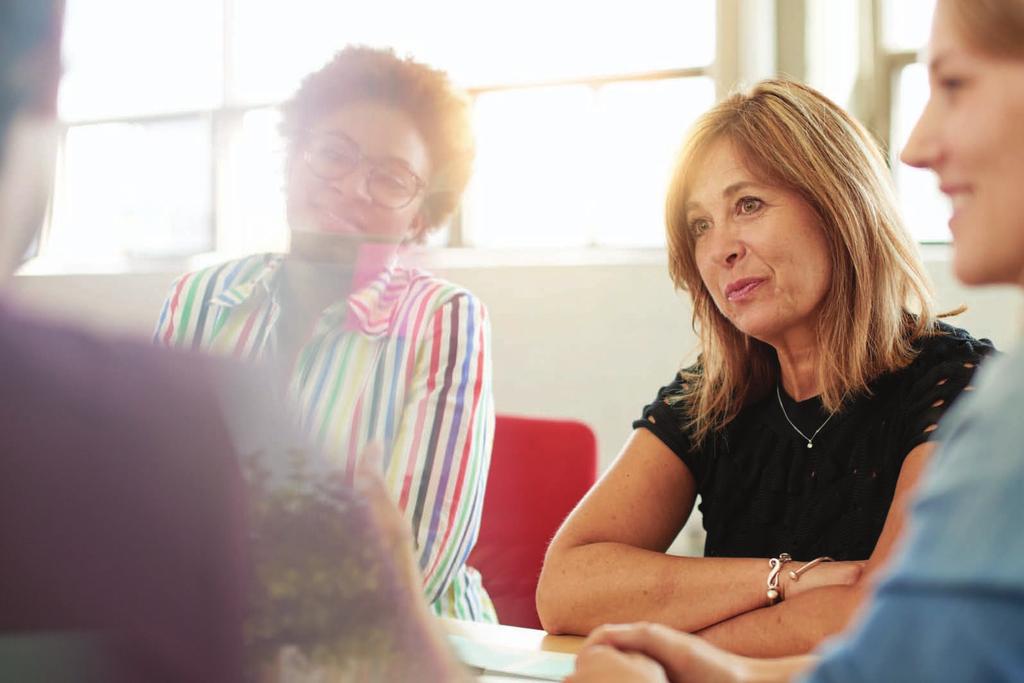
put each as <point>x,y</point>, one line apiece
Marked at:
<point>379,151</point>
<point>809,414</point>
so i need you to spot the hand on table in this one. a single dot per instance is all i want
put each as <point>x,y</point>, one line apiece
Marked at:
<point>597,663</point>
<point>652,652</point>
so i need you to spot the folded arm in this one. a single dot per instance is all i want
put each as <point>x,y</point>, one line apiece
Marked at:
<point>608,564</point>
<point>801,622</point>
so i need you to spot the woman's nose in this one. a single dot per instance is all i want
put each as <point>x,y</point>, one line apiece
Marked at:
<point>921,150</point>
<point>729,249</point>
<point>355,184</point>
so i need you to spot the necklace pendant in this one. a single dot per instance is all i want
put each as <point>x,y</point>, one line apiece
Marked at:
<point>810,444</point>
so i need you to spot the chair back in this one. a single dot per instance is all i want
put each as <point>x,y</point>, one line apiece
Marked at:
<point>540,469</point>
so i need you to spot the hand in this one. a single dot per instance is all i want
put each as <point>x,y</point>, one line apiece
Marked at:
<point>597,663</point>
<point>818,576</point>
<point>682,656</point>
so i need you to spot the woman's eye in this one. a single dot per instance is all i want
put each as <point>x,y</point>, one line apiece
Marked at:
<point>951,85</point>
<point>699,226</point>
<point>391,181</point>
<point>749,205</point>
<point>337,156</point>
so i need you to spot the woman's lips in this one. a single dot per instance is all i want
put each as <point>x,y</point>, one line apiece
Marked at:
<point>959,198</point>
<point>742,289</point>
<point>333,222</point>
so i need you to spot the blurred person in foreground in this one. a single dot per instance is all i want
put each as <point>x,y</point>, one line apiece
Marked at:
<point>950,607</point>
<point>128,537</point>
<point>367,349</point>
<point>122,536</point>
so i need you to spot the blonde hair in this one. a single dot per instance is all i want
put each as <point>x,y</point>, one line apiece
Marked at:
<point>880,298</point>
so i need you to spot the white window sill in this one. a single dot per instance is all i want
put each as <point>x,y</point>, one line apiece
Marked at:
<point>448,258</point>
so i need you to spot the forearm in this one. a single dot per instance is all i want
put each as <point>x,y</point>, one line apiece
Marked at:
<point>795,626</point>
<point>586,586</point>
<point>454,398</point>
<point>443,555</point>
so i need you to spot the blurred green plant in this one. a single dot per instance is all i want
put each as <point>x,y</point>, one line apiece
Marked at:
<point>323,583</point>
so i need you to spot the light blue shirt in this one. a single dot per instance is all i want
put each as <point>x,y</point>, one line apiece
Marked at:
<point>952,606</point>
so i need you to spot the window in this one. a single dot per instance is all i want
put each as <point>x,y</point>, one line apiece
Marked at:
<point>864,55</point>
<point>134,180</point>
<point>170,146</point>
<point>133,191</point>
<point>905,26</point>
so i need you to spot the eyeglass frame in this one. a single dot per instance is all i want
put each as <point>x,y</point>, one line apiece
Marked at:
<point>361,160</point>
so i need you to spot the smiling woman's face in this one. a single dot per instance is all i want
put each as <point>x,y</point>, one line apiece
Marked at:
<point>760,249</point>
<point>971,135</point>
<point>384,138</point>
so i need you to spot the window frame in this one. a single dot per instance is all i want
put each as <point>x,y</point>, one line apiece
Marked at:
<point>736,30</point>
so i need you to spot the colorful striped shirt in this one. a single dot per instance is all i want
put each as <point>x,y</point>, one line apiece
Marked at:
<point>403,362</point>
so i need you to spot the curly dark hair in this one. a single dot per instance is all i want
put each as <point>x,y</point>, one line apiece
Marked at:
<point>440,111</point>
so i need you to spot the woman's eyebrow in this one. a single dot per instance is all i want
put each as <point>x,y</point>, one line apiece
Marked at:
<point>337,133</point>
<point>738,187</point>
<point>729,191</point>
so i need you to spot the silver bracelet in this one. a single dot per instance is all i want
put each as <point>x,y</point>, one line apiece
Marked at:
<point>795,574</point>
<point>776,564</point>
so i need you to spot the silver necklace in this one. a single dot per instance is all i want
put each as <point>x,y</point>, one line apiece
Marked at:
<point>809,440</point>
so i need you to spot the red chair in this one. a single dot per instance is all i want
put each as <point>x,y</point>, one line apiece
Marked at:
<point>539,471</point>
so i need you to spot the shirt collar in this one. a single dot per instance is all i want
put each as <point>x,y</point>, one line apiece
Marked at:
<point>378,287</point>
<point>262,284</point>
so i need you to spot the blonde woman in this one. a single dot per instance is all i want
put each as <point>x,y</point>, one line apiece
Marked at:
<point>807,418</point>
<point>952,606</point>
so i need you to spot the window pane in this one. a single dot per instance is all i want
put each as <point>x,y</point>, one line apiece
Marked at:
<point>477,43</point>
<point>267,60</point>
<point>536,40</point>
<point>906,23</point>
<point>253,217</point>
<point>578,166</point>
<point>126,57</point>
<point>832,48</point>
<point>133,191</point>
<point>640,128</point>
<point>925,209</point>
<point>535,181</point>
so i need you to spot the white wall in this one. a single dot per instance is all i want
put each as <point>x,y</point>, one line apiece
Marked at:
<point>584,337</point>
<point>591,341</point>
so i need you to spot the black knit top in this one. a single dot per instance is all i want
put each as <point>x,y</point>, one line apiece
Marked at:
<point>764,492</point>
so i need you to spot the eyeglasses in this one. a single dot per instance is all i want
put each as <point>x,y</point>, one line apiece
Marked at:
<point>389,182</point>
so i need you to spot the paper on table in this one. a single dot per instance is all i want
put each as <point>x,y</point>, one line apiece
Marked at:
<point>539,665</point>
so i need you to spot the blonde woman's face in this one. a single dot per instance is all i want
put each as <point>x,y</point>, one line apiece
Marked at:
<point>760,250</point>
<point>971,135</point>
